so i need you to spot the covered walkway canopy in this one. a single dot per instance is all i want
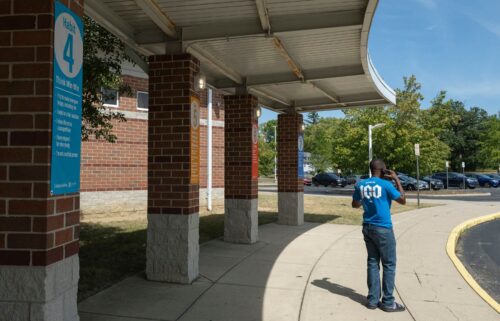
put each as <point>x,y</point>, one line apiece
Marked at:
<point>293,55</point>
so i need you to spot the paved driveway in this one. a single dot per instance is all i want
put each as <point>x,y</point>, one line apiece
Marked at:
<point>478,250</point>
<point>309,273</point>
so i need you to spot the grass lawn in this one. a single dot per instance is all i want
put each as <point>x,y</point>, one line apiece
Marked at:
<point>111,251</point>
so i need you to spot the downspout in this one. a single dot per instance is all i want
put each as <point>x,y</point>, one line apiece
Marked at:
<point>209,150</point>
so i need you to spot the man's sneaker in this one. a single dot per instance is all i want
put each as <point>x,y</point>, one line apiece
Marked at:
<point>396,307</point>
<point>371,306</point>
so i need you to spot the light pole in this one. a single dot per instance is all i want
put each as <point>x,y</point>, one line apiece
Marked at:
<point>370,152</point>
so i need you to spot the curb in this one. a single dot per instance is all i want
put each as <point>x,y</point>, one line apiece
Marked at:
<point>452,195</point>
<point>451,247</point>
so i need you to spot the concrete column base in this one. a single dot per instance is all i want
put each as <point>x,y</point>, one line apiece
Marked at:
<point>241,221</point>
<point>291,208</point>
<point>41,293</point>
<point>173,248</point>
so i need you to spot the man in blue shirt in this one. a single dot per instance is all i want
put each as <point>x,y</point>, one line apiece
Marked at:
<point>375,194</point>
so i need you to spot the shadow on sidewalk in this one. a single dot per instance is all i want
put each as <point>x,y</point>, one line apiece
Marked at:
<point>339,290</point>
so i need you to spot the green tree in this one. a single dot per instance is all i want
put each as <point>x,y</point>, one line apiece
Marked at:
<point>266,158</point>
<point>268,130</point>
<point>313,118</point>
<point>490,143</point>
<point>343,143</point>
<point>460,129</point>
<point>411,126</point>
<point>103,55</point>
<point>267,147</point>
<point>317,141</point>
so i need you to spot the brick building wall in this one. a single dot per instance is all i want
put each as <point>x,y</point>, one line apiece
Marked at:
<point>122,165</point>
<point>129,103</point>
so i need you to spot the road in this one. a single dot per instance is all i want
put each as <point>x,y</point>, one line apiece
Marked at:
<point>478,251</point>
<point>481,194</point>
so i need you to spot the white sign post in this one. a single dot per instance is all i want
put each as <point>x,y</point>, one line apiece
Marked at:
<point>463,174</point>
<point>417,154</point>
<point>447,167</point>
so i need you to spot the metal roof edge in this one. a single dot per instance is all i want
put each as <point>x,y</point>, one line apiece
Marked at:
<point>371,72</point>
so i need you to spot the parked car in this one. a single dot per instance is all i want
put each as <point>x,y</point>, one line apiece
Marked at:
<point>307,181</point>
<point>456,180</point>
<point>410,184</point>
<point>436,184</point>
<point>362,177</point>
<point>494,176</point>
<point>353,179</point>
<point>484,180</point>
<point>329,179</point>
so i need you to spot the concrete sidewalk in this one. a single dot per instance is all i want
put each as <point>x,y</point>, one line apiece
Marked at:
<point>309,273</point>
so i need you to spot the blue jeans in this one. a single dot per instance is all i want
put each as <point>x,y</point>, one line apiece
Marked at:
<point>381,246</point>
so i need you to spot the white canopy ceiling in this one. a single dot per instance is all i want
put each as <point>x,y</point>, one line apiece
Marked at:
<point>305,55</point>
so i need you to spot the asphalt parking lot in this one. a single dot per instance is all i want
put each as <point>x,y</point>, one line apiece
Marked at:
<point>473,195</point>
<point>478,250</point>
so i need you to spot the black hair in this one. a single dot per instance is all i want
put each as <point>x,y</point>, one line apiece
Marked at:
<point>377,164</point>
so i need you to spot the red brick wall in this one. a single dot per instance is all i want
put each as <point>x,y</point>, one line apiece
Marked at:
<point>240,111</point>
<point>289,126</point>
<point>117,166</point>
<point>129,102</point>
<point>35,228</point>
<point>123,165</point>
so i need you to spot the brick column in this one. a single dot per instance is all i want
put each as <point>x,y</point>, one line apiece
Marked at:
<point>290,185</point>
<point>241,169</point>
<point>173,170</point>
<point>39,266</point>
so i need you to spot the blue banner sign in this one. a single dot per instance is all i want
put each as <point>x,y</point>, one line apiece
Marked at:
<point>67,101</point>
<point>301,155</point>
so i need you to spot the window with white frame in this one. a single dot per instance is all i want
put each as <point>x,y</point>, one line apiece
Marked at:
<point>142,100</point>
<point>110,97</point>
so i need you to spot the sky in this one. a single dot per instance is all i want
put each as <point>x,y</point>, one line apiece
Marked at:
<point>451,45</point>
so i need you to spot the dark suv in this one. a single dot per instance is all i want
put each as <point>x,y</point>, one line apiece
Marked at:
<point>484,180</point>
<point>410,184</point>
<point>329,179</point>
<point>456,180</point>
<point>436,184</point>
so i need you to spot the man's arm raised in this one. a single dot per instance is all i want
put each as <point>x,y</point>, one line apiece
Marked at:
<point>402,198</point>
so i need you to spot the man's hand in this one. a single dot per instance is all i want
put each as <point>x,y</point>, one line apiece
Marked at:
<point>393,175</point>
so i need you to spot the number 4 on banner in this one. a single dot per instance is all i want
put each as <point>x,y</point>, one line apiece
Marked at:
<point>68,52</point>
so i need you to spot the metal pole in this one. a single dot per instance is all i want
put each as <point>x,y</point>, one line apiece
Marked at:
<point>370,156</point>
<point>447,181</point>
<point>275,157</point>
<point>418,185</point>
<point>430,180</point>
<point>209,150</point>
<point>463,176</point>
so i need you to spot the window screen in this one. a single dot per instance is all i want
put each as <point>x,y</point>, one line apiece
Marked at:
<point>142,100</point>
<point>110,97</point>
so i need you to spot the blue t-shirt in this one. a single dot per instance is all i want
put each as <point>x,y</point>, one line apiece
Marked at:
<point>376,195</point>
